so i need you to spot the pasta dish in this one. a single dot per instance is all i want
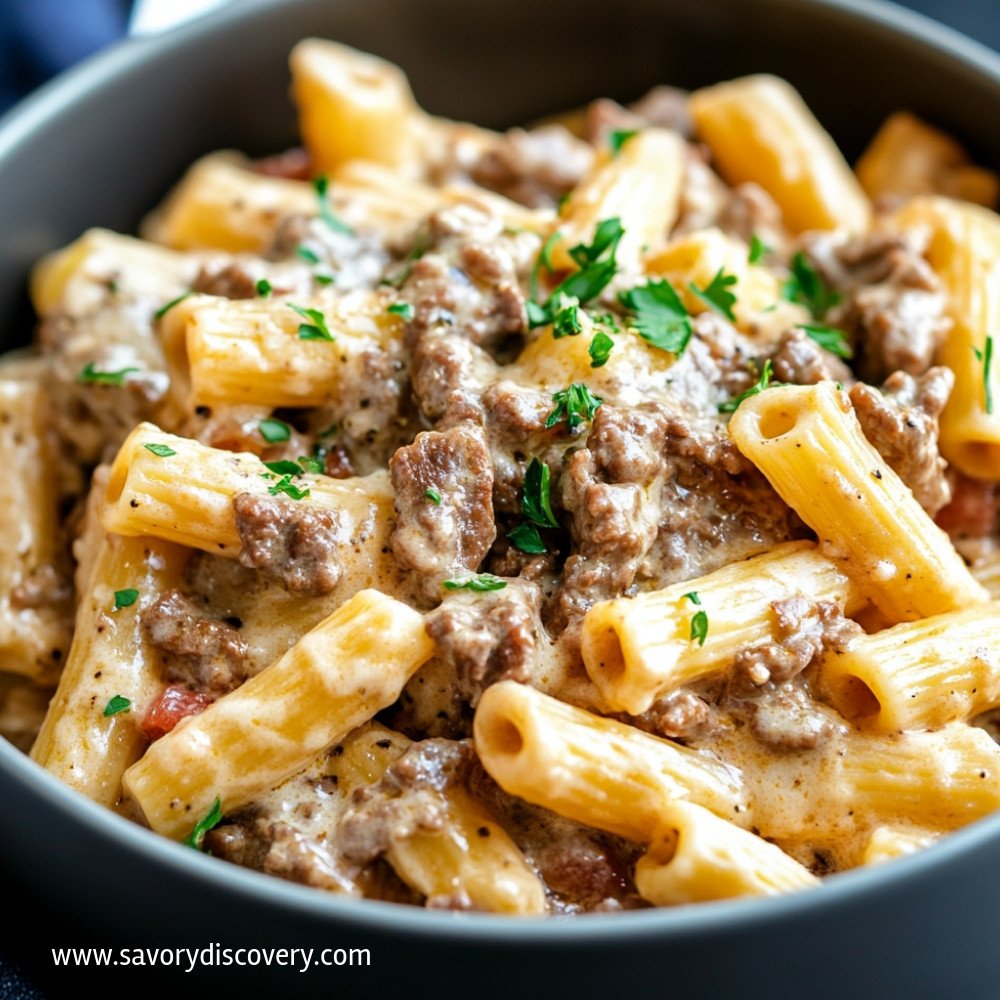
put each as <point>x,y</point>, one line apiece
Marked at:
<point>591,516</point>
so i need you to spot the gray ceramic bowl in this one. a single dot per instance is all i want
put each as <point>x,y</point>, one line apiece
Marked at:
<point>101,145</point>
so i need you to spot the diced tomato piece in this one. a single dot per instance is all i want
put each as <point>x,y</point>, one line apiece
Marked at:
<point>175,702</point>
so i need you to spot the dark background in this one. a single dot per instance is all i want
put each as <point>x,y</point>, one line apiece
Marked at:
<point>38,38</point>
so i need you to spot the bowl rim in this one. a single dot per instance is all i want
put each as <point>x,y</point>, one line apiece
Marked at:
<point>680,922</point>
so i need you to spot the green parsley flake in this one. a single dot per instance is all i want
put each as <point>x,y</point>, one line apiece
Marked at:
<point>526,538</point>
<point>699,621</point>
<point>284,467</point>
<point>762,383</point>
<point>274,431</point>
<point>321,185</point>
<point>324,279</point>
<point>806,287</point>
<point>163,310</point>
<point>716,293</point>
<point>211,819</point>
<point>286,486</point>
<point>125,598</point>
<point>314,463</point>
<point>566,322</point>
<point>160,450</point>
<point>264,288</point>
<point>829,338</point>
<point>758,250</point>
<point>89,374</point>
<point>117,704</point>
<point>536,504</point>
<point>309,256</point>
<point>600,349</point>
<point>402,309</point>
<point>658,315</point>
<point>479,584</point>
<point>986,357</point>
<point>433,495</point>
<point>618,137</point>
<point>316,328</point>
<point>597,266</point>
<point>575,404</point>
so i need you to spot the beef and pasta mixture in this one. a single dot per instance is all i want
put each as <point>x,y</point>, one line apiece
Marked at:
<point>489,377</point>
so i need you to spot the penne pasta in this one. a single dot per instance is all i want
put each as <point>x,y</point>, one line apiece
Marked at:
<point>809,444</point>
<point>335,677</point>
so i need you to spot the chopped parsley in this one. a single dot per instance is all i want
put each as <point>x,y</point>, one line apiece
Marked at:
<point>402,309</point>
<point>285,468</point>
<point>716,293</point>
<point>125,598</point>
<point>986,357</point>
<point>600,349</point>
<point>806,287</point>
<point>658,315</point>
<point>314,463</point>
<point>90,375</point>
<point>829,338</point>
<point>536,503</point>
<point>575,404</point>
<point>163,310</point>
<point>264,288</point>
<point>526,538</point>
<point>618,137</point>
<point>758,250</point>
<point>274,431</point>
<point>285,485</point>
<point>762,383</point>
<point>321,185</point>
<point>479,584</point>
<point>117,704</point>
<point>566,321</point>
<point>212,818</point>
<point>596,267</point>
<point>433,495</point>
<point>699,621</point>
<point>324,279</point>
<point>316,328</point>
<point>160,450</point>
<point>309,256</point>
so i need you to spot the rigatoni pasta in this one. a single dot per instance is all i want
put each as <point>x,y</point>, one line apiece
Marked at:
<point>535,522</point>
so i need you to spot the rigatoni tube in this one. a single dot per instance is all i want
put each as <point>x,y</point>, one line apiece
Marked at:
<point>808,443</point>
<point>596,771</point>
<point>637,649</point>
<point>351,665</point>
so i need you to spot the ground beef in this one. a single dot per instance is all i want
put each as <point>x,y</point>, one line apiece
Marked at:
<point>901,422</point>
<point>485,638</point>
<point>972,512</point>
<point>799,360</point>
<point>292,164</point>
<point>449,538</point>
<point>228,279</point>
<point>787,718</point>
<point>535,167</point>
<point>442,363</point>
<point>802,631</point>
<point>612,488</point>
<point>296,545</point>
<point>658,498</point>
<point>891,299</point>
<point>681,714</point>
<point>202,652</point>
<point>472,290</point>
<point>750,211</point>
<point>407,799</point>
